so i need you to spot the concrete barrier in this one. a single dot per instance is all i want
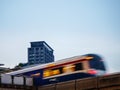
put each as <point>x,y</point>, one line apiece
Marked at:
<point>109,80</point>
<point>47,87</point>
<point>86,84</point>
<point>69,85</point>
<point>110,88</point>
<point>10,89</point>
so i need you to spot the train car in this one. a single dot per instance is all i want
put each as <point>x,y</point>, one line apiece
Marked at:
<point>88,65</point>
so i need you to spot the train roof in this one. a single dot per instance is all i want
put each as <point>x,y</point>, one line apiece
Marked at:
<point>41,66</point>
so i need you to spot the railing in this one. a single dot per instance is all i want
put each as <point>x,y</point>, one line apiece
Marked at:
<point>16,82</point>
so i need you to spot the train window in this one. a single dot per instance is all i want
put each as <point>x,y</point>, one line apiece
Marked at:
<point>47,73</point>
<point>55,72</point>
<point>78,66</point>
<point>68,68</point>
<point>52,72</point>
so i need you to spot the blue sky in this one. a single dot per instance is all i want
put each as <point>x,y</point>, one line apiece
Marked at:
<point>70,27</point>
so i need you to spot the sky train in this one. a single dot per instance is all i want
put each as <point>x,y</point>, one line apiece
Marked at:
<point>88,65</point>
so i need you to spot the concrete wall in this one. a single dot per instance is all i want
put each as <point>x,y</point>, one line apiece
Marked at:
<point>10,89</point>
<point>70,85</point>
<point>107,82</point>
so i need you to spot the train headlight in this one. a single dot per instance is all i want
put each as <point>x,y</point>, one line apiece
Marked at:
<point>92,71</point>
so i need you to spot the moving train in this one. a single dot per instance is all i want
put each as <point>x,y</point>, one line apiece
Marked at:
<point>76,67</point>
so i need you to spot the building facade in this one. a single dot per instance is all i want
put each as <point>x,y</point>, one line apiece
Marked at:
<point>40,53</point>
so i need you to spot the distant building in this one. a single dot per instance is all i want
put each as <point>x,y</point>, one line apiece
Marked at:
<point>39,53</point>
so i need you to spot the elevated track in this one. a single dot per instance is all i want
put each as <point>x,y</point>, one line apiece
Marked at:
<point>106,82</point>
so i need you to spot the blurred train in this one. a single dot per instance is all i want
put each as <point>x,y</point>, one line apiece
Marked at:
<point>77,67</point>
